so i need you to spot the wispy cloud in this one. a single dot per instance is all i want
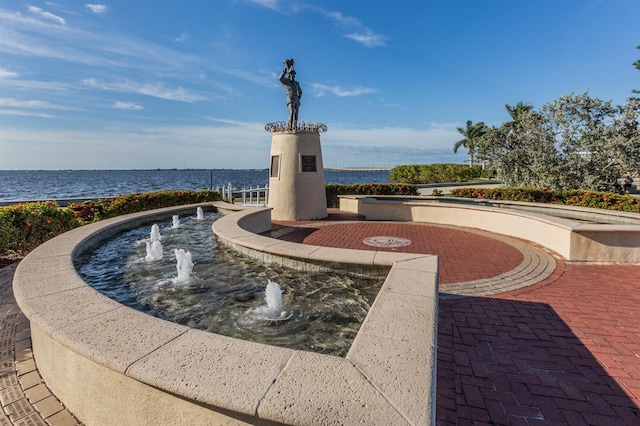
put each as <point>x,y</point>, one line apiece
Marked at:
<point>26,35</point>
<point>24,113</point>
<point>182,38</point>
<point>29,104</point>
<point>269,4</point>
<point>156,90</point>
<point>368,38</point>
<point>96,8</point>
<point>46,15</point>
<point>217,146</point>
<point>322,90</point>
<point>230,122</point>
<point>127,105</point>
<point>356,30</point>
<point>17,103</point>
<point>5,73</point>
<point>27,108</point>
<point>129,147</point>
<point>432,137</point>
<point>36,85</point>
<point>383,103</point>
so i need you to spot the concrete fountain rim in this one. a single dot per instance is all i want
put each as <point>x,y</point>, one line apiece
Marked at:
<point>78,333</point>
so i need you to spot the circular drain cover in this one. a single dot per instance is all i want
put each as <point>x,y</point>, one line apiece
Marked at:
<point>383,241</point>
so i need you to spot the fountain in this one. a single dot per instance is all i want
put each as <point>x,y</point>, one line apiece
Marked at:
<point>154,246</point>
<point>273,296</point>
<point>273,309</point>
<point>232,294</point>
<point>176,221</point>
<point>184,266</point>
<point>179,371</point>
<point>155,232</point>
<point>199,213</point>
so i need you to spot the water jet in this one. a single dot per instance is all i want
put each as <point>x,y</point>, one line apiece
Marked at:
<point>225,292</point>
<point>176,221</point>
<point>153,244</point>
<point>184,265</point>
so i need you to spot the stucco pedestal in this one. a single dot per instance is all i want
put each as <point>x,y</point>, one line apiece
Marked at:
<point>296,176</point>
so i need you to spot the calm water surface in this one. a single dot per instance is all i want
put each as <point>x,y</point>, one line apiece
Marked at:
<point>323,311</point>
<point>26,185</point>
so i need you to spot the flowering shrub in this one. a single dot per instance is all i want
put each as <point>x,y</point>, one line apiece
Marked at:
<point>86,212</point>
<point>9,234</point>
<point>594,199</point>
<point>138,202</point>
<point>25,226</point>
<point>334,189</point>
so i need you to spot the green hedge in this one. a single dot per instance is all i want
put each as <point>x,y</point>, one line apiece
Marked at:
<point>105,208</point>
<point>25,226</point>
<point>600,200</point>
<point>334,190</point>
<point>435,173</point>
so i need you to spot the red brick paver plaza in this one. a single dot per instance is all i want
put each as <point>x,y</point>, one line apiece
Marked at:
<point>479,257</point>
<point>563,351</point>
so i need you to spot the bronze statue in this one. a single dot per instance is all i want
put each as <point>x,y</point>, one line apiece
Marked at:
<point>293,90</point>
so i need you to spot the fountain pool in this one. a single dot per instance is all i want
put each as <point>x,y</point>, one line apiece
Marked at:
<point>87,345</point>
<point>223,292</point>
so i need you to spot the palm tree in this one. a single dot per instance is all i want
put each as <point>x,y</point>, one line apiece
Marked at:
<point>516,112</point>
<point>637,65</point>
<point>471,135</point>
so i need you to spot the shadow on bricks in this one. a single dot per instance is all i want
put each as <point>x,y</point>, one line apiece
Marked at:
<point>517,362</point>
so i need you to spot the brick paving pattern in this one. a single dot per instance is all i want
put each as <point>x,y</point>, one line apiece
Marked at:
<point>479,257</point>
<point>24,396</point>
<point>565,350</point>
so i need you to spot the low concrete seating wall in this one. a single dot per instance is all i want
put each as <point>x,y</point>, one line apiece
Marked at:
<point>576,233</point>
<point>110,364</point>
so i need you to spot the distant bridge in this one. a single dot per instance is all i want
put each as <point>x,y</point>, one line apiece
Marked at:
<point>359,169</point>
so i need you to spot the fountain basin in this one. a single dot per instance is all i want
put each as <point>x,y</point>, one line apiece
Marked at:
<point>578,234</point>
<point>110,364</point>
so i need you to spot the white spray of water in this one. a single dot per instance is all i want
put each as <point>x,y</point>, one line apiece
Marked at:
<point>154,246</point>
<point>199,213</point>
<point>184,266</point>
<point>273,309</point>
<point>273,296</point>
<point>176,221</point>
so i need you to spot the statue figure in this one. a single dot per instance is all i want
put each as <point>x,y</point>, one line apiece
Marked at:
<point>293,90</point>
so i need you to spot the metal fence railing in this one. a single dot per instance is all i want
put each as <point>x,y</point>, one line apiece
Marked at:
<point>251,197</point>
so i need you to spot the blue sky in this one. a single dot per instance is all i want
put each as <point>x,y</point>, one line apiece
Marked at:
<point>167,84</point>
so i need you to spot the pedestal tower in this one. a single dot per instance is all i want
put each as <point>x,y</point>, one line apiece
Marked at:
<point>296,172</point>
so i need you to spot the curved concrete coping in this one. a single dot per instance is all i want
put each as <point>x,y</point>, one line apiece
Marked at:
<point>110,364</point>
<point>576,233</point>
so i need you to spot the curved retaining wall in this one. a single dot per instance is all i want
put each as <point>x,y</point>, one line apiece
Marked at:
<point>577,234</point>
<point>110,364</point>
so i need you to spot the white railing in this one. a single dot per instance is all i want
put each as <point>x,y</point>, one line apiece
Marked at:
<point>252,197</point>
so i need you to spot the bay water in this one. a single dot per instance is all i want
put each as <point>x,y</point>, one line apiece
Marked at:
<point>32,185</point>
